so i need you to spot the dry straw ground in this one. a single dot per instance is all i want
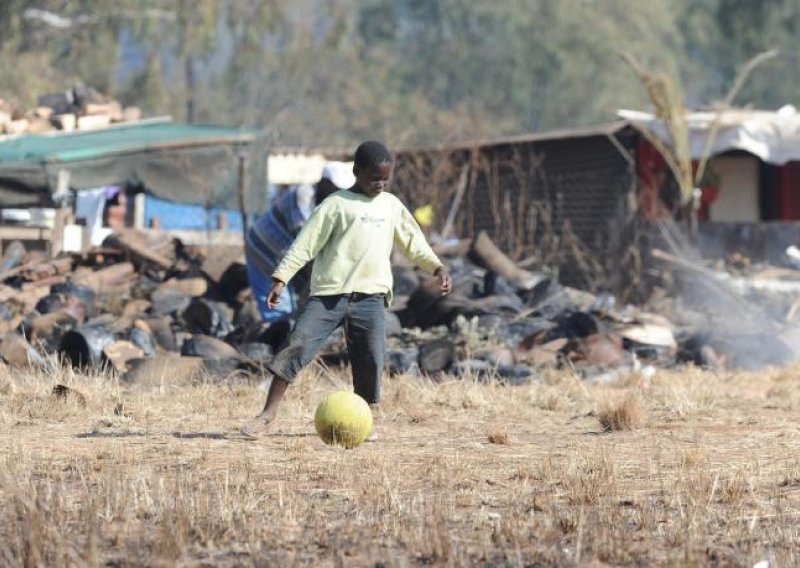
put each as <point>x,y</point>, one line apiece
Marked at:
<point>684,468</point>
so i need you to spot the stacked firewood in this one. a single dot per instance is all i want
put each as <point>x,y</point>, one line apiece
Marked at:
<point>80,108</point>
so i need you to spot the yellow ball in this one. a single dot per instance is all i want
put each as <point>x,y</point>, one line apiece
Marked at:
<point>343,419</point>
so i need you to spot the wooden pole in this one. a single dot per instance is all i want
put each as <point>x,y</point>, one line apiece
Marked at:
<point>62,194</point>
<point>222,221</point>
<point>243,193</point>
<point>451,215</point>
<point>138,210</point>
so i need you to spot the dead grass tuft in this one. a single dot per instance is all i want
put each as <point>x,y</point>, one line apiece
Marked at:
<point>550,398</point>
<point>686,395</point>
<point>628,414</point>
<point>589,476</point>
<point>500,437</point>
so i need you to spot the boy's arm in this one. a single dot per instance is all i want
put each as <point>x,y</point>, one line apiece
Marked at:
<point>409,238</point>
<point>308,243</point>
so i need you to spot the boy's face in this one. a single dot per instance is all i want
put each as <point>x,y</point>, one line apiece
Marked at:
<point>371,180</point>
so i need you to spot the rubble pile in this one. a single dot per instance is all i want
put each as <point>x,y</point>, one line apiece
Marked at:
<point>81,108</point>
<point>156,311</point>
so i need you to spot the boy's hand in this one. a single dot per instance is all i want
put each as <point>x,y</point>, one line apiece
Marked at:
<point>443,278</point>
<point>274,296</point>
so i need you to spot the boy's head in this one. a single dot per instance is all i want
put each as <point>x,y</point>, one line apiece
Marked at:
<point>372,168</point>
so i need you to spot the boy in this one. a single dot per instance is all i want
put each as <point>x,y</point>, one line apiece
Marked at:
<point>349,237</point>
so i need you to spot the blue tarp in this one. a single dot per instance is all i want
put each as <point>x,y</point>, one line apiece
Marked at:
<point>179,216</point>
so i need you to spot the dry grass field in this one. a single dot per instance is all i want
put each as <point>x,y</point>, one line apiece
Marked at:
<point>684,468</point>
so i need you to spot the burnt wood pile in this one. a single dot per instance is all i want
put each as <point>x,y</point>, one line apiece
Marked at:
<point>154,311</point>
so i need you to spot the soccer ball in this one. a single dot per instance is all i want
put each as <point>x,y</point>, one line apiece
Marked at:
<point>343,419</point>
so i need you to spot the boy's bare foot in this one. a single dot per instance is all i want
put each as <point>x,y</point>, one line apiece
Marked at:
<point>375,408</point>
<point>258,426</point>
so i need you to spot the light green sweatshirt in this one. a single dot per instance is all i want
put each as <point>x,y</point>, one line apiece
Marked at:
<point>350,237</point>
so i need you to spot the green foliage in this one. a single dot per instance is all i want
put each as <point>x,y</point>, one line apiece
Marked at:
<point>328,73</point>
<point>37,56</point>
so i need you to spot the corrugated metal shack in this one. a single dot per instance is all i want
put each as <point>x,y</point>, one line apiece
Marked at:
<point>564,197</point>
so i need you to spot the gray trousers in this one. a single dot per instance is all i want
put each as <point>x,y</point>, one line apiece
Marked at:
<point>363,318</point>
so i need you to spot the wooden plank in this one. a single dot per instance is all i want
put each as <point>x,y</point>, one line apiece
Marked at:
<point>135,243</point>
<point>206,238</point>
<point>93,121</point>
<point>15,232</point>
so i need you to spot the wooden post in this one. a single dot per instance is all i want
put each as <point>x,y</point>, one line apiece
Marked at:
<point>138,210</point>
<point>243,192</point>
<point>188,73</point>
<point>62,213</point>
<point>57,242</point>
<point>451,215</point>
<point>62,185</point>
<point>222,221</point>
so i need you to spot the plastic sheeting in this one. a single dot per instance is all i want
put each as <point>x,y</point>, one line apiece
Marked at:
<point>179,163</point>
<point>772,136</point>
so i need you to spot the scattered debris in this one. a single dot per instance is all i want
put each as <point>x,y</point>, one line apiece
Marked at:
<point>156,313</point>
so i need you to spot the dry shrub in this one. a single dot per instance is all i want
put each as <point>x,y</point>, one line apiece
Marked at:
<point>628,414</point>
<point>549,398</point>
<point>783,397</point>
<point>693,458</point>
<point>588,476</point>
<point>732,487</point>
<point>787,374</point>
<point>686,394</point>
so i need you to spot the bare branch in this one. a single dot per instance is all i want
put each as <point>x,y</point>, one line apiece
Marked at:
<point>738,83</point>
<point>668,105</point>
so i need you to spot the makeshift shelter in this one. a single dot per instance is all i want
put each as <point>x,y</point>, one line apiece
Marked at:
<point>576,196</point>
<point>181,163</point>
<point>564,194</point>
<point>756,163</point>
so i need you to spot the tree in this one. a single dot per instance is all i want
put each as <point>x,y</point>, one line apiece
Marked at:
<point>321,73</point>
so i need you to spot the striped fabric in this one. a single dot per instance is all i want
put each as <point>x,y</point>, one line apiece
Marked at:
<point>267,241</point>
<point>270,236</point>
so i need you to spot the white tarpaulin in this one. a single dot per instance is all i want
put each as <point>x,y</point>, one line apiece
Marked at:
<point>773,136</point>
<point>293,169</point>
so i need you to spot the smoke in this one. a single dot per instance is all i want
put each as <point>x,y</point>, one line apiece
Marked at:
<point>736,321</point>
